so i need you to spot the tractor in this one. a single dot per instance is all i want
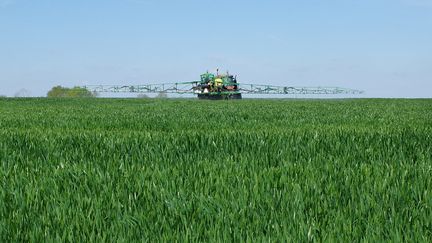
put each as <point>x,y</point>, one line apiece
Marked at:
<point>217,87</point>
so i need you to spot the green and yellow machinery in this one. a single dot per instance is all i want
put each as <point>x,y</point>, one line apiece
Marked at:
<point>217,87</point>
<point>220,86</point>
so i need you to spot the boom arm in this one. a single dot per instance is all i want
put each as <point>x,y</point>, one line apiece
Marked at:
<point>180,88</point>
<point>191,88</point>
<point>269,89</point>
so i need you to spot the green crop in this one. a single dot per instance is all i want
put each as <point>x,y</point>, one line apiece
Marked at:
<point>188,170</point>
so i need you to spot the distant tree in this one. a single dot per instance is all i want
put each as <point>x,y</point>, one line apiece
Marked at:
<point>162,95</point>
<point>79,92</point>
<point>57,91</point>
<point>142,96</point>
<point>2,96</point>
<point>75,92</point>
<point>22,93</point>
<point>95,94</point>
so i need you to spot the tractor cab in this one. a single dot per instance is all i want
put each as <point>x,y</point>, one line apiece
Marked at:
<point>217,86</point>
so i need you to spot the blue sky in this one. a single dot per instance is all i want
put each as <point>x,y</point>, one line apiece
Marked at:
<point>381,46</point>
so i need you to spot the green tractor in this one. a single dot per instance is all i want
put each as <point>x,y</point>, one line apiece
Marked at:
<point>217,87</point>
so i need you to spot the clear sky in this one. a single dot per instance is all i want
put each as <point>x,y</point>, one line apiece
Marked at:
<point>381,46</point>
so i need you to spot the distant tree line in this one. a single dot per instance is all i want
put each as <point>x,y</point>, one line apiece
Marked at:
<point>160,95</point>
<point>22,93</point>
<point>75,92</point>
